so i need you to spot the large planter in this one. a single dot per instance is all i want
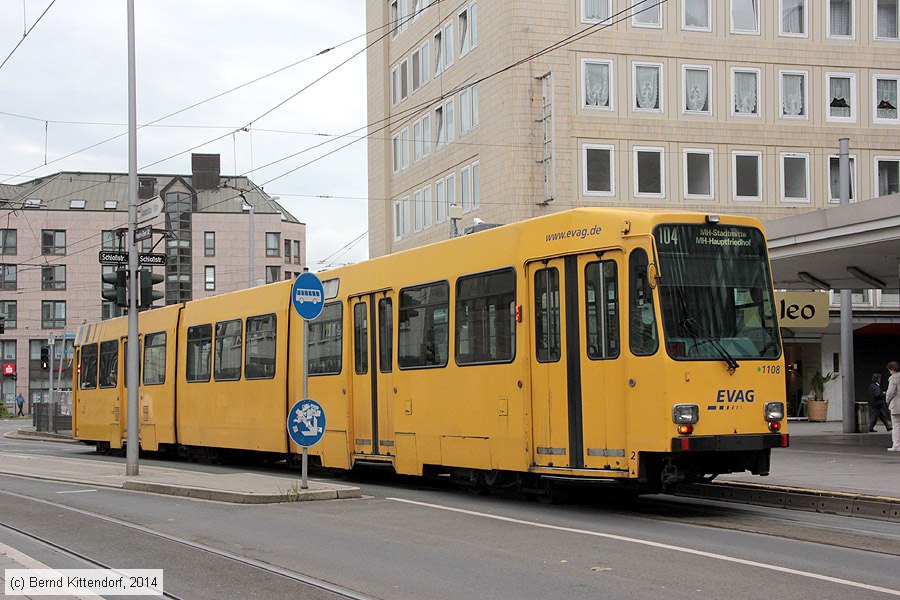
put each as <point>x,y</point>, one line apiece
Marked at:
<point>817,409</point>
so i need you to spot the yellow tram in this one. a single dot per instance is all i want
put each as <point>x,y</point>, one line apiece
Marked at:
<point>594,344</point>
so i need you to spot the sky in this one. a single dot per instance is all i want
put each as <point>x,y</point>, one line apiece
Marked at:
<point>65,89</point>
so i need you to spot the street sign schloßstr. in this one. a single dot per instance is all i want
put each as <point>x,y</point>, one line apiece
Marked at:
<point>108,257</point>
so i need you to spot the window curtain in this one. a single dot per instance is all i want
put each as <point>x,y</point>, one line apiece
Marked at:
<point>596,9</point>
<point>745,93</point>
<point>696,13</point>
<point>840,97</point>
<point>697,90</point>
<point>841,18</point>
<point>647,92</point>
<point>887,18</point>
<point>886,98</point>
<point>792,95</point>
<point>792,16</point>
<point>596,84</point>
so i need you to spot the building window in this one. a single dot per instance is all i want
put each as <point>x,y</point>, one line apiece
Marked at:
<point>465,112</point>
<point>646,13</point>
<point>747,175</point>
<point>473,25</point>
<point>417,141</point>
<point>745,16</point>
<point>476,185</point>
<point>745,92</point>
<point>426,135</point>
<point>8,241</point>
<point>287,251</point>
<point>451,190</point>
<point>273,273</point>
<point>448,45</point>
<point>273,243</point>
<point>597,89</point>
<point>53,277</point>
<point>794,177</point>
<point>465,188</point>
<point>886,15</point>
<point>840,18</point>
<point>841,97</point>
<point>395,86</point>
<point>210,277</point>
<point>416,70</point>
<point>7,277</point>
<point>424,64</point>
<point>595,11</point>
<point>395,155</point>
<point>398,221</point>
<point>440,202</point>
<point>793,95</point>
<point>450,126</point>
<point>884,89</point>
<point>834,173</point>
<point>404,149</point>
<point>53,314</point>
<point>53,241</point>
<point>438,46</point>
<point>793,18</point>
<point>647,87</point>
<point>418,210</point>
<point>296,252</point>
<point>695,15</point>
<point>209,243</point>
<point>463,22</point>
<point>77,204</point>
<point>649,172</point>
<point>395,17</point>
<point>696,90</point>
<point>404,79</point>
<point>9,310</point>
<point>110,204</point>
<point>439,127</point>
<point>698,174</point>
<point>599,170</point>
<point>887,175</point>
<point>109,240</point>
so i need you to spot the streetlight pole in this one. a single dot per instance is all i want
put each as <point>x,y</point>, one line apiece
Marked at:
<point>131,358</point>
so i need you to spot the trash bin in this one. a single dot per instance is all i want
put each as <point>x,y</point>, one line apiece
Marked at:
<point>862,417</point>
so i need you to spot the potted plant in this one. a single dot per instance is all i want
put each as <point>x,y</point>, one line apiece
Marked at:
<point>817,408</point>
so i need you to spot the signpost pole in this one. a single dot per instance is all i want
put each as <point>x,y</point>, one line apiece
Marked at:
<point>304,457</point>
<point>131,358</point>
<point>50,344</point>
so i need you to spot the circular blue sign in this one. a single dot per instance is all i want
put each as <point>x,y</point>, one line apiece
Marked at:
<point>306,422</point>
<point>308,296</point>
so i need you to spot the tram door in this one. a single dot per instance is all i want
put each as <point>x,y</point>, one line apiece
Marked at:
<point>577,400</point>
<point>372,375</point>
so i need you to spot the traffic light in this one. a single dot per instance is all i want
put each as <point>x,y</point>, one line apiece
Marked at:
<point>119,293</point>
<point>148,294</point>
<point>45,358</point>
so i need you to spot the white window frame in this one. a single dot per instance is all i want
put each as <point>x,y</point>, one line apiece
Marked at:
<point>398,221</point>
<point>662,171</point>
<point>829,75</point>
<point>424,64</point>
<point>404,149</point>
<point>426,135</point>
<point>634,5</point>
<point>883,302</point>
<point>780,16</point>
<point>428,210</point>
<point>610,83</point>
<point>395,85</point>
<point>405,216</point>
<point>710,153</point>
<point>416,62</point>
<point>854,191</point>
<point>404,79</point>
<point>395,153</point>
<point>473,93</point>
<point>876,161</point>
<point>781,180</point>
<point>686,27</point>
<point>465,112</point>
<point>875,35</point>
<point>417,141</point>
<point>437,61</point>
<point>449,48</point>
<point>612,170</point>
<point>709,90</point>
<point>395,17</point>
<point>759,92</point>
<point>465,188</point>
<point>800,117</point>
<point>608,20</point>
<point>473,26</point>
<point>835,36</point>
<point>660,96</point>
<point>463,15</point>
<point>759,176</point>
<point>744,31</point>
<point>875,118</point>
<point>418,211</point>
<point>440,212</point>
<point>449,121</point>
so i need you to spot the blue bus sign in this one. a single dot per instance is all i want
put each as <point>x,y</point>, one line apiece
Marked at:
<point>306,423</point>
<point>308,296</point>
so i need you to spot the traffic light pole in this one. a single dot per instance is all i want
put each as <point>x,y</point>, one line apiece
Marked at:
<point>50,343</point>
<point>131,359</point>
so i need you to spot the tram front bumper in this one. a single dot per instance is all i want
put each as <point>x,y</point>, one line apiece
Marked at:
<point>730,443</point>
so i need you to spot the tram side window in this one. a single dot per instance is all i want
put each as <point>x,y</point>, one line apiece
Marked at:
<point>385,335</point>
<point>88,367</point>
<point>323,348</point>
<point>227,365</point>
<point>155,358</point>
<point>546,315</point>
<point>260,353</point>
<point>643,336</point>
<point>199,348</point>
<point>109,363</point>
<point>486,318</point>
<point>602,305</point>
<point>424,326</point>
<point>360,338</point>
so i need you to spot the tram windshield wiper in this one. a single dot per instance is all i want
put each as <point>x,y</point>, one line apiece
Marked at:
<point>689,324</point>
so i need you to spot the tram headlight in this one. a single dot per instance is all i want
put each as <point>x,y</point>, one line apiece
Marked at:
<point>774,411</point>
<point>685,414</point>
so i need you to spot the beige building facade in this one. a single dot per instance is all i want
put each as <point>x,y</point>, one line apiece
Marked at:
<point>514,109</point>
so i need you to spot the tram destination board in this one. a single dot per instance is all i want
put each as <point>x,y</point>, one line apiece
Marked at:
<point>144,258</point>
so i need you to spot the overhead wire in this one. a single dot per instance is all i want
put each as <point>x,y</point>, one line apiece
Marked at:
<point>25,35</point>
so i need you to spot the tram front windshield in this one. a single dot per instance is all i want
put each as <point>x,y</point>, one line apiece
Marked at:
<point>715,293</point>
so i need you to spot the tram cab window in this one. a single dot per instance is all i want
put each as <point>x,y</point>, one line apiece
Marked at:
<point>88,367</point>
<point>323,348</point>
<point>109,363</point>
<point>154,358</point>
<point>486,318</point>
<point>199,349</point>
<point>601,292</point>
<point>642,333</point>
<point>227,363</point>
<point>260,352</point>
<point>424,313</point>
<point>546,315</point>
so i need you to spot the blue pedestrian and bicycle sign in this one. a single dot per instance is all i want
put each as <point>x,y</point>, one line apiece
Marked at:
<point>306,423</point>
<point>308,296</point>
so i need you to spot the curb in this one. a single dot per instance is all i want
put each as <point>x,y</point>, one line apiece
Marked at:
<point>36,436</point>
<point>241,497</point>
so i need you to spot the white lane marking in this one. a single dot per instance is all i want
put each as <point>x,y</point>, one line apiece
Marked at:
<point>75,491</point>
<point>662,546</point>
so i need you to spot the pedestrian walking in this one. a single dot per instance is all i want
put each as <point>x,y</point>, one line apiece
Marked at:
<point>877,406</point>
<point>20,405</point>
<point>892,396</point>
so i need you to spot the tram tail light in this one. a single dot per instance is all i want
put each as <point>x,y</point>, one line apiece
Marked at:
<point>685,429</point>
<point>774,411</point>
<point>775,426</point>
<point>685,414</point>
